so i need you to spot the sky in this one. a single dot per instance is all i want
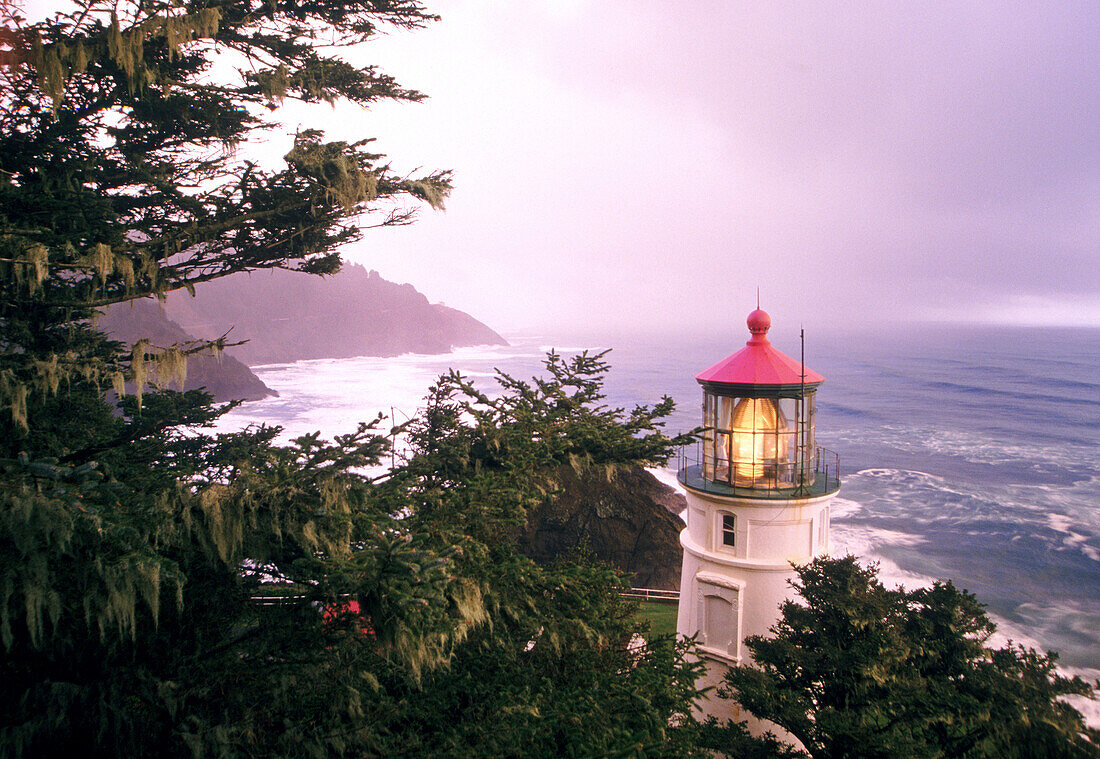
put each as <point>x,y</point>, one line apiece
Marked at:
<point>644,163</point>
<point>628,163</point>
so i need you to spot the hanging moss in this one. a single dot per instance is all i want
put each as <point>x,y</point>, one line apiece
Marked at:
<point>149,587</point>
<point>51,75</point>
<point>432,192</point>
<point>139,368</point>
<point>335,168</point>
<point>273,84</point>
<point>124,266</point>
<point>101,260</point>
<point>118,383</point>
<point>148,271</point>
<point>469,600</point>
<point>135,55</point>
<point>115,43</point>
<point>31,268</point>
<point>34,521</point>
<point>48,69</point>
<point>7,590</point>
<point>171,366</point>
<point>40,601</point>
<point>78,58</point>
<point>176,32</point>
<point>126,49</point>
<point>14,394</point>
<point>224,526</point>
<point>179,30</point>
<point>48,373</point>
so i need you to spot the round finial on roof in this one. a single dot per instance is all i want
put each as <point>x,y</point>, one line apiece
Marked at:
<point>759,322</point>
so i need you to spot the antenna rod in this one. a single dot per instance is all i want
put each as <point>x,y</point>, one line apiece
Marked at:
<point>802,427</point>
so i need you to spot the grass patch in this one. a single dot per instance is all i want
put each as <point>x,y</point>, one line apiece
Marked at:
<point>661,616</point>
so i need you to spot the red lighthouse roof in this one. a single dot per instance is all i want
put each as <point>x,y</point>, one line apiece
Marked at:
<point>758,363</point>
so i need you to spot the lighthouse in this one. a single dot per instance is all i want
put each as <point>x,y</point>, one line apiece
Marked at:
<point>758,495</point>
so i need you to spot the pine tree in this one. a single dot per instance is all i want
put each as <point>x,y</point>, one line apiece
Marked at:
<point>854,668</point>
<point>134,542</point>
<point>558,667</point>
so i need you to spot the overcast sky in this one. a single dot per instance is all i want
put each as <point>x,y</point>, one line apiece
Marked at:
<point>624,162</point>
<point>639,162</point>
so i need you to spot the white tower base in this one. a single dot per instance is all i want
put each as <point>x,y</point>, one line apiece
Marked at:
<point>738,553</point>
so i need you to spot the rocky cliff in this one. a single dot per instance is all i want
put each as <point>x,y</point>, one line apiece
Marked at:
<point>288,316</point>
<point>224,377</point>
<point>630,521</point>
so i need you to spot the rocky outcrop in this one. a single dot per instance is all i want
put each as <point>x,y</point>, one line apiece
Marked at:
<point>224,377</point>
<point>288,316</point>
<point>630,521</point>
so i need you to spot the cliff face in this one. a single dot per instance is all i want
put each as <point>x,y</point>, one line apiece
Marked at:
<point>630,522</point>
<point>287,316</point>
<point>224,377</point>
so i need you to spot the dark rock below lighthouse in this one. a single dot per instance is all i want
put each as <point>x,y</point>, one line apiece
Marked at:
<point>629,521</point>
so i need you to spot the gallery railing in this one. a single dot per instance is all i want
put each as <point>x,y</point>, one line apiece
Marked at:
<point>818,475</point>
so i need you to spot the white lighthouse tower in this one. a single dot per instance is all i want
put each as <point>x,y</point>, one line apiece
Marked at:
<point>758,499</point>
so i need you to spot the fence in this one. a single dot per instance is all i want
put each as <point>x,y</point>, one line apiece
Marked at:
<point>652,594</point>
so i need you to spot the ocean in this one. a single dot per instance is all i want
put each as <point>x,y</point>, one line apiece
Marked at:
<point>966,453</point>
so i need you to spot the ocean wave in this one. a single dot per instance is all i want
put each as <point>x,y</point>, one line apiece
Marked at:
<point>1076,501</point>
<point>476,353</point>
<point>978,447</point>
<point>846,411</point>
<point>917,497</point>
<point>1016,395</point>
<point>1073,540</point>
<point>867,542</point>
<point>1039,635</point>
<point>920,497</point>
<point>843,507</point>
<point>888,472</point>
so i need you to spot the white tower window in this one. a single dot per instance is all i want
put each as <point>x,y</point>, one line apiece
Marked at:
<point>729,530</point>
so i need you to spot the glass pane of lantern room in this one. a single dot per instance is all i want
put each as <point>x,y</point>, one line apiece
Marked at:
<point>709,418</point>
<point>724,441</point>
<point>788,450</point>
<point>806,441</point>
<point>810,412</point>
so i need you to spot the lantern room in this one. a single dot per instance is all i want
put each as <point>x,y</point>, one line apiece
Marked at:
<point>758,425</point>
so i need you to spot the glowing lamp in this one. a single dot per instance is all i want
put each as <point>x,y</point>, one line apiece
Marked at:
<point>759,441</point>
